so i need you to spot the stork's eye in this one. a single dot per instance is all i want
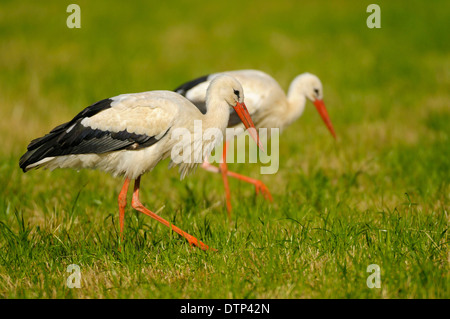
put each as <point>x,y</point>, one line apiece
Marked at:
<point>316,91</point>
<point>236,92</point>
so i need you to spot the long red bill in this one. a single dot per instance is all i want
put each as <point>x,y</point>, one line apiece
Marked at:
<point>242,112</point>
<point>320,106</point>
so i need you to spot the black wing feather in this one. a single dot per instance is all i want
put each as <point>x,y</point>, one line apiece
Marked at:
<point>87,112</point>
<point>75,138</point>
<point>201,105</point>
<point>183,88</point>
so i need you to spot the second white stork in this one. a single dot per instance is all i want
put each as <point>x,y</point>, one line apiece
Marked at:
<point>129,135</point>
<point>268,106</point>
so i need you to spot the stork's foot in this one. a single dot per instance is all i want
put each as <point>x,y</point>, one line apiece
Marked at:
<point>260,187</point>
<point>136,204</point>
<point>195,242</point>
<point>191,239</point>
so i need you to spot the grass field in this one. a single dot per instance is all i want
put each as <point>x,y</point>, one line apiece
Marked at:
<point>379,194</point>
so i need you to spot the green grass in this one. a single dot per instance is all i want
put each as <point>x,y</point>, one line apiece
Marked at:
<point>379,195</point>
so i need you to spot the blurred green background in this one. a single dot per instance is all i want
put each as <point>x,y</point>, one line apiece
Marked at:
<point>49,72</point>
<point>387,92</point>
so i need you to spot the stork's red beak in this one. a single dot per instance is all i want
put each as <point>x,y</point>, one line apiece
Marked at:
<point>242,112</point>
<point>320,106</point>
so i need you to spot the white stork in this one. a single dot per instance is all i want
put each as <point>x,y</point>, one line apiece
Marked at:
<point>130,134</point>
<point>268,106</point>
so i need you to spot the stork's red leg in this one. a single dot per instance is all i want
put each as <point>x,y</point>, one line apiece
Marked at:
<point>136,204</point>
<point>259,186</point>
<point>122,204</point>
<point>224,172</point>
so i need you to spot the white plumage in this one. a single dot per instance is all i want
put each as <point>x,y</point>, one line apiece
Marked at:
<point>131,133</point>
<point>268,105</point>
<point>150,114</point>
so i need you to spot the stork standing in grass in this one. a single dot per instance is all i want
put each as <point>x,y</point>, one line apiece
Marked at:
<point>131,133</point>
<point>268,106</point>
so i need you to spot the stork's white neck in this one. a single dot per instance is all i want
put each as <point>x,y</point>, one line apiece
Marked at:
<point>217,113</point>
<point>296,101</point>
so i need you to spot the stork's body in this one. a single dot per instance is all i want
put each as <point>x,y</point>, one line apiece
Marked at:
<point>268,105</point>
<point>131,133</point>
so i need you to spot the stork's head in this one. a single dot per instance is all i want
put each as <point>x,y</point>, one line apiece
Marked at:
<point>312,89</point>
<point>311,86</point>
<point>227,88</point>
